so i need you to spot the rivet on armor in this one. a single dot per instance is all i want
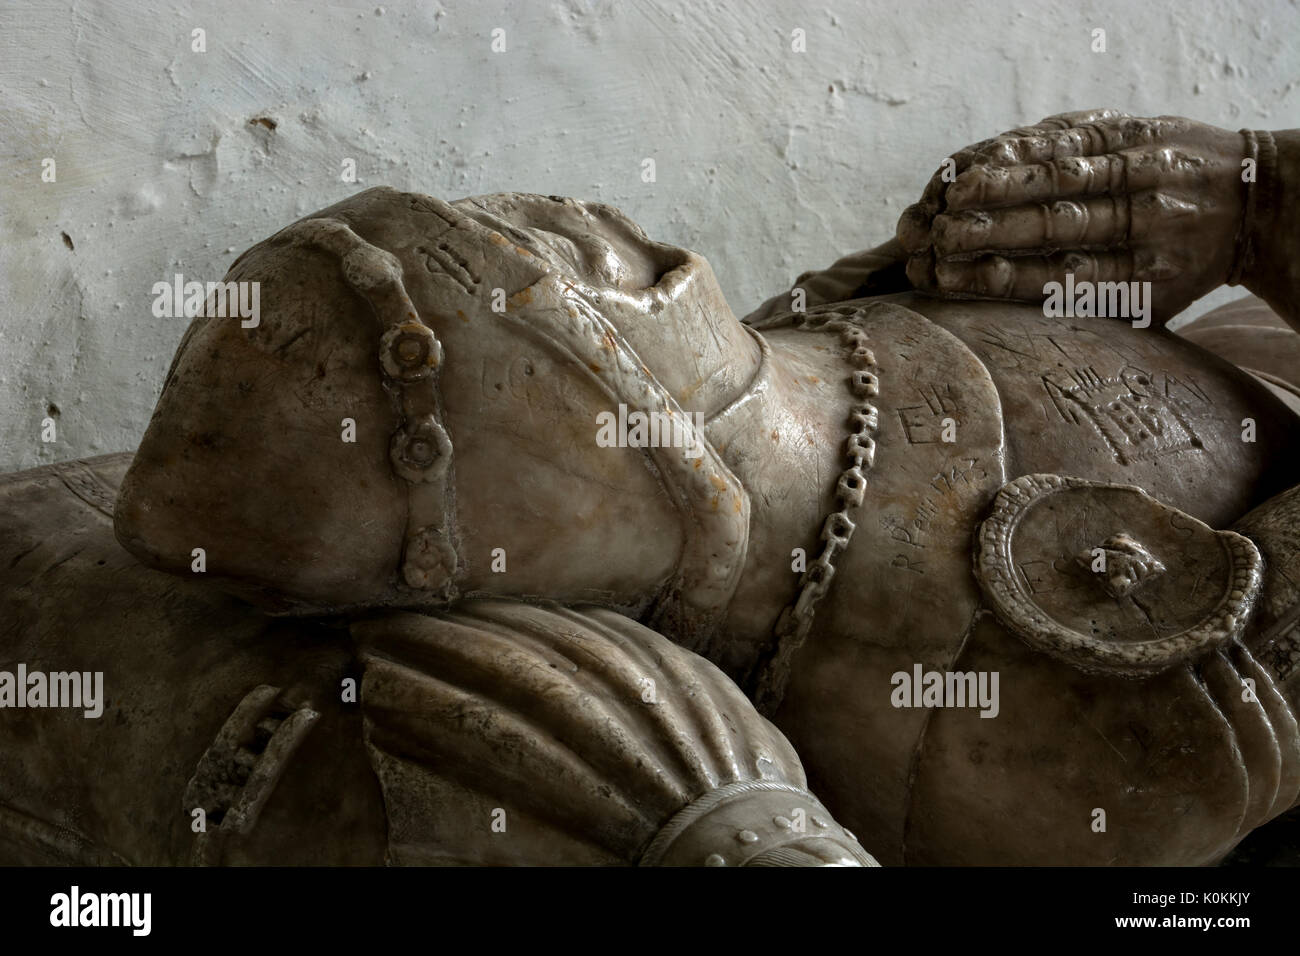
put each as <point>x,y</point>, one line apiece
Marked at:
<point>820,822</point>
<point>410,352</point>
<point>782,822</point>
<point>715,859</point>
<point>420,451</point>
<point>747,836</point>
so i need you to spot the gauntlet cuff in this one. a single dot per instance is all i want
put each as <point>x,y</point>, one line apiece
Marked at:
<point>755,823</point>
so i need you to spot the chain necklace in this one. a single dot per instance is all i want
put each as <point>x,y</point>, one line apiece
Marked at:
<point>795,623</point>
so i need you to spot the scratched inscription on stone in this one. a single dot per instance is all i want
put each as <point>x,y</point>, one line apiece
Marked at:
<point>912,534</point>
<point>1136,412</point>
<point>923,422</point>
<point>1021,346</point>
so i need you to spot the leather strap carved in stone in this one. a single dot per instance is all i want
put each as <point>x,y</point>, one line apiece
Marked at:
<point>411,358</point>
<point>1105,577</point>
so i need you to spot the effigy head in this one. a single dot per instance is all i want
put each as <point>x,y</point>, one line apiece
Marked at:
<point>415,410</point>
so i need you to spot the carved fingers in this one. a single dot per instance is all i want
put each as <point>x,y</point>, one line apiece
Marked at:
<point>1072,119</point>
<point>1126,171</point>
<point>1103,222</point>
<point>1013,148</point>
<point>1021,278</point>
<point>1121,198</point>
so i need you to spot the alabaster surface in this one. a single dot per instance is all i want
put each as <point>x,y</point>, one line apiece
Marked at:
<point>500,539</point>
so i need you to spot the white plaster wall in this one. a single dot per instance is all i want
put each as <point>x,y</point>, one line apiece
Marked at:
<point>768,161</point>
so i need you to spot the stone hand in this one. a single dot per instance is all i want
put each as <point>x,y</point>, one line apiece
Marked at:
<point>1100,194</point>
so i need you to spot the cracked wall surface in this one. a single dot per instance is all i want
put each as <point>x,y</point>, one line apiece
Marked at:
<point>767,160</point>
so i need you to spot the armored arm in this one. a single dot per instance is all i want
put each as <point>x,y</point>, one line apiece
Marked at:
<point>509,733</point>
<point>877,271</point>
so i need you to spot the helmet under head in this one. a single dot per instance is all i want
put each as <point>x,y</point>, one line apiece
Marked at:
<point>421,390</point>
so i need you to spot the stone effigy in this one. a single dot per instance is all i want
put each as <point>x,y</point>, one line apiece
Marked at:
<point>499,538</point>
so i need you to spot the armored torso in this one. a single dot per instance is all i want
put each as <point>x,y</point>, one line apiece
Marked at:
<point>1173,758</point>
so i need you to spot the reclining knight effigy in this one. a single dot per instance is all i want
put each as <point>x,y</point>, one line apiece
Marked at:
<point>371,575</point>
